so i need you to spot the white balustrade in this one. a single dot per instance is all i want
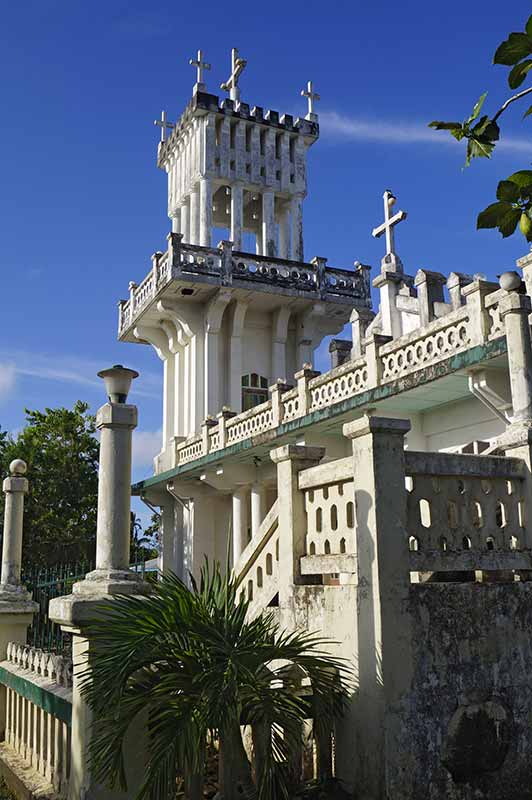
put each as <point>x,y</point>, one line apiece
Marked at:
<point>38,711</point>
<point>257,570</point>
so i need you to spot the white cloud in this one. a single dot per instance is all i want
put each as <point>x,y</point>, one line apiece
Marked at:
<point>400,132</point>
<point>71,369</point>
<point>146,445</point>
<point>7,379</point>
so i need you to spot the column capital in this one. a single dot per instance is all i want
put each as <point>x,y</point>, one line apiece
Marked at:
<point>302,454</point>
<point>15,484</point>
<point>374,425</point>
<point>117,415</point>
<point>514,303</point>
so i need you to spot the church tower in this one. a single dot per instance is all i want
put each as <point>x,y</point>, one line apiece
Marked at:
<point>232,306</point>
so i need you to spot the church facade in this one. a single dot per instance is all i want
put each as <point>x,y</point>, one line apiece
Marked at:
<point>385,502</point>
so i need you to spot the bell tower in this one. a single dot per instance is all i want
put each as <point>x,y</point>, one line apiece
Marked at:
<point>235,167</point>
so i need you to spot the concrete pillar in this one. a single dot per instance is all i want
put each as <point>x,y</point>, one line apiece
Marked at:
<point>515,309</point>
<point>383,655</point>
<point>185,220</point>
<point>258,510</point>
<point>269,247</point>
<point>115,423</point>
<point>429,287</point>
<point>240,522</point>
<point>290,459</point>
<point>15,487</point>
<point>194,223</point>
<point>169,398</point>
<point>112,576</point>
<point>172,522</point>
<point>388,284</point>
<point>296,218</point>
<point>205,194</point>
<point>360,320</point>
<point>16,606</point>
<point>284,232</point>
<point>237,215</point>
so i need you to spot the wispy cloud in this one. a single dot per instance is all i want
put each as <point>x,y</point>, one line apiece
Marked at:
<point>7,380</point>
<point>66,369</point>
<point>400,132</point>
<point>146,445</point>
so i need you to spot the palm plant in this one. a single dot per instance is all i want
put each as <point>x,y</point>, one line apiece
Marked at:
<point>191,661</point>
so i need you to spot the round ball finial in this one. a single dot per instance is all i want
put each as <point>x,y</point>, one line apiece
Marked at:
<point>18,467</point>
<point>510,281</point>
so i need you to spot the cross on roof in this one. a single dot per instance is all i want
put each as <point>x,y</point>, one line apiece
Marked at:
<point>163,124</point>
<point>237,67</point>
<point>311,96</point>
<point>389,222</point>
<point>200,66</point>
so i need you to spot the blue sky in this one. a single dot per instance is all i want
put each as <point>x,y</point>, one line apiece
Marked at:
<point>82,205</point>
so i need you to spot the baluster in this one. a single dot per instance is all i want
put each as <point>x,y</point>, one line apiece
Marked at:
<point>65,755</point>
<point>16,721</point>
<point>42,758</point>
<point>56,780</point>
<point>48,767</point>
<point>8,715</point>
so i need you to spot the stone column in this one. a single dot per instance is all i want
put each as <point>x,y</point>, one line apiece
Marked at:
<point>237,215</point>
<point>16,606</point>
<point>205,193</point>
<point>176,220</point>
<point>184,223</point>
<point>112,576</point>
<point>258,503</point>
<point>383,655</point>
<point>240,522</point>
<point>290,460</point>
<point>194,223</point>
<point>296,218</point>
<point>515,309</point>
<point>269,247</point>
<point>284,233</point>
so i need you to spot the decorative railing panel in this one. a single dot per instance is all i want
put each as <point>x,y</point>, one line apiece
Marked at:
<point>251,423</point>
<point>439,340</point>
<point>330,508</point>
<point>465,512</point>
<point>290,405</point>
<point>38,713</point>
<point>329,389</point>
<point>496,323</point>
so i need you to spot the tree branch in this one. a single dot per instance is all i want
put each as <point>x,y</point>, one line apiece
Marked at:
<point>511,100</point>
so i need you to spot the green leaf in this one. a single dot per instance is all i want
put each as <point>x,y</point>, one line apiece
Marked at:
<point>527,113</point>
<point>493,214</point>
<point>516,47</point>
<point>528,26</point>
<point>508,191</point>
<point>445,126</point>
<point>508,223</point>
<point>519,73</point>
<point>523,178</point>
<point>478,149</point>
<point>486,129</point>
<point>477,107</point>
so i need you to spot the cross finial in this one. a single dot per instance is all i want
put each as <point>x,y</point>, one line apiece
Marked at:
<point>200,66</point>
<point>163,124</point>
<point>388,225</point>
<point>237,66</point>
<point>312,97</point>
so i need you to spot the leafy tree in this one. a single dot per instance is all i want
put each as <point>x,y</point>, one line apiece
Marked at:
<point>482,132</point>
<point>191,660</point>
<point>140,542</point>
<point>61,451</point>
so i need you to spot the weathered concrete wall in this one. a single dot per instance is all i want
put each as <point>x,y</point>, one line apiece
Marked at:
<point>466,727</point>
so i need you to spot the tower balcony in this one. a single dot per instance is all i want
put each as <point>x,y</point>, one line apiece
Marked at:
<point>193,272</point>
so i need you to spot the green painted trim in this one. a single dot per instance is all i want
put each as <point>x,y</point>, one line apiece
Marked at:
<point>50,702</point>
<point>464,360</point>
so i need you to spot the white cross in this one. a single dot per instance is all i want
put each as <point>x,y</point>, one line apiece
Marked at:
<point>237,66</point>
<point>311,96</point>
<point>389,222</point>
<point>163,124</point>
<point>200,66</point>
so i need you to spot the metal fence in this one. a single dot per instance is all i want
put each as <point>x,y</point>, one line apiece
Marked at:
<point>46,583</point>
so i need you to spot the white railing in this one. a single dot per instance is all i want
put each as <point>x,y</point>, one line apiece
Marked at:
<point>347,380</point>
<point>38,714</point>
<point>330,508</point>
<point>438,340</point>
<point>257,569</point>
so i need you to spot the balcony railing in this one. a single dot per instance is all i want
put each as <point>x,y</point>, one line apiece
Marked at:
<point>225,267</point>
